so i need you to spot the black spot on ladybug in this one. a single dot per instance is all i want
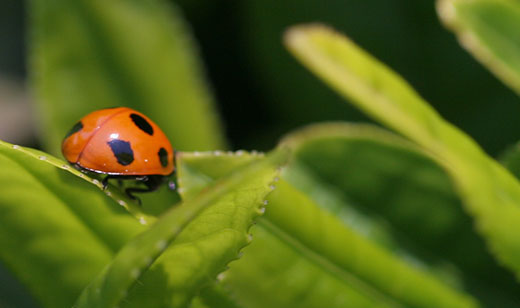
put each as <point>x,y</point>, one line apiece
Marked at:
<point>143,125</point>
<point>76,128</point>
<point>163,157</point>
<point>122,151</point>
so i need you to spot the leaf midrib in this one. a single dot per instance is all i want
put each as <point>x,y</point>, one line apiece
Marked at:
<point>327,265</point>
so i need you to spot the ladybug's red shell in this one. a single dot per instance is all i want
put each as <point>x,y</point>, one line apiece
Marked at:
<point>119,141</point>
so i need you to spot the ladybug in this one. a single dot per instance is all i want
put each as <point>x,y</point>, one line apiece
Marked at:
<point>123,144</point>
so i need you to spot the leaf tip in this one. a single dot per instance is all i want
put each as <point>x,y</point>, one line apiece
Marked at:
<point>446,11</point>
<point>296,35</point>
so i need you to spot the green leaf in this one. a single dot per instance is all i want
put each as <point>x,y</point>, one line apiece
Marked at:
<point>207,232</point>
<point>215,296</point>
<point>198,303</point>
<point>490,193</point>
<point>490,30</point>
<point>56,230</point>
<point>330,263</point>
<point>86,55</point>
<point>303,255</point>
<point>384,181</point>
<point>511,159</point>
<point>198,169</point>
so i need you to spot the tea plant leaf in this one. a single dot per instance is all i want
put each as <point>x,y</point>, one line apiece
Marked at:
<point>122,199</point>
<point>360,273</point>
<point>511,159</point>
<point>491,194</point>
<point>56,230</point>
<point>199,169</point>
<point>216,296</point>
<point>302,255</point>
<point>87,55</point>
<point>197,303</point>
<point>490,30</point>
<point>357,171</point>
<point>207,232</point>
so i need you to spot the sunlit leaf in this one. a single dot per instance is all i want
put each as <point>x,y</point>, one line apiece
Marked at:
<point>56,229</point>
<point>207,232</point>
<point>393,193</point>
<point>491,194</point>
<point>304,255</point>
<point>490,30</point>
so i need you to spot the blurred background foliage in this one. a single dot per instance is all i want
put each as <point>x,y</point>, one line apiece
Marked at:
<point>263,93</point>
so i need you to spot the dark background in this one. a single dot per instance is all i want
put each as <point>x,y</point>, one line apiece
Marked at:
<point>263,93</point>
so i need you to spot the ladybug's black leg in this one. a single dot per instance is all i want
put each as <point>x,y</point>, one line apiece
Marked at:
<point>152,182</point>
<point>131,190</point>
<point>105,180</point>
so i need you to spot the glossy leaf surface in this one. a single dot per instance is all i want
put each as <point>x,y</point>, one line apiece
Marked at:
<point>205,233</point>
<point>490,193</point>
<point>301,248</point>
